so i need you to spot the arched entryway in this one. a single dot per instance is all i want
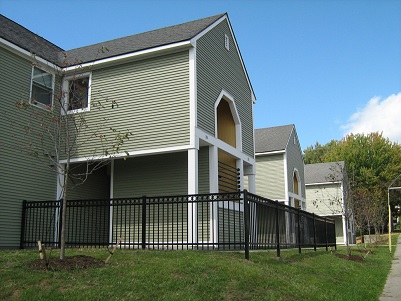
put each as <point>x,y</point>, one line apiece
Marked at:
<point>226,131</point>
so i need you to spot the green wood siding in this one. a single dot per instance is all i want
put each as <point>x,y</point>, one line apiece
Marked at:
<point>220,69</point>
<point>203,170</point>
<point>152,102</point>
<point>295,161</point>
<point>327,197</point>
<point>155,175</point>
<point>21,177</point>
<point>270,180</point>
<point>96,186</point>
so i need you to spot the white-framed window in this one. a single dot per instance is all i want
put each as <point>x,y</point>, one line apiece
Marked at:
<point>42,86</point>
<point>77,91</point>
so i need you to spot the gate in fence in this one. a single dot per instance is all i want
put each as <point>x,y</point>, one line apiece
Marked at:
<point>219,221</point>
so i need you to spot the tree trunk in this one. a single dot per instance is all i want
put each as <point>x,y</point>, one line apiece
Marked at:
<point>64,210</point>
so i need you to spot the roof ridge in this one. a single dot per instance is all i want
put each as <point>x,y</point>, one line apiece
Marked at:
<point>149,31</point>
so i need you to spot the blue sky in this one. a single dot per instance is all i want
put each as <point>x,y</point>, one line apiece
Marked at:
<point>330,67</point>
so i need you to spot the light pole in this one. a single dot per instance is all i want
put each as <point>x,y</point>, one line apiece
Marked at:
<point>390,219</point>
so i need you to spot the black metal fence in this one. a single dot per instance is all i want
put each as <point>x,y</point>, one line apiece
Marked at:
<point>220,221</point>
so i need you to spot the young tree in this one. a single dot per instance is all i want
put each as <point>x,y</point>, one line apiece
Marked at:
<point>58,128</point>
<point>338,201</point>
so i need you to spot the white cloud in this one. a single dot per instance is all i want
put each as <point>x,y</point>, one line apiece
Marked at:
<point>383,116</point>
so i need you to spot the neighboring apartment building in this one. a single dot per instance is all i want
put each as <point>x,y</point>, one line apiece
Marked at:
<point>182,91</point>
<point>327,195</point>
<point>280,165</point>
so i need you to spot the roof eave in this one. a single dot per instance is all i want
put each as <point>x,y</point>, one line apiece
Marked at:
<point>136,55</point>
<point>26,54</point>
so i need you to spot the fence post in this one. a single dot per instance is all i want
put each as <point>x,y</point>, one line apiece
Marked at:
<point>277,230</point>
<point>314,232</point>
<point>246,223</point>
<point>327,239</point>
<point>144,222</point>
<point>21,242</point>
<point>299,230</point>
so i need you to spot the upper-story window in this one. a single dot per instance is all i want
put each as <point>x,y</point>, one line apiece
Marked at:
<point>41,88</point>
<point>77,93</point>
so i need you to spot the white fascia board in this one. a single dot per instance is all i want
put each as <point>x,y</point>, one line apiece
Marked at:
<point>206,30</point>
<point>270,153</point>
<point>26,54</point>
<point>211,140</point>
<point>131,154</point>
<point>132,55</point>
<point>322,183</point>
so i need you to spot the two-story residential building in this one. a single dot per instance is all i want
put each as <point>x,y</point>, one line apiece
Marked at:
<point>182,92</point>
<point>280,165</point>
<point>327,194</point>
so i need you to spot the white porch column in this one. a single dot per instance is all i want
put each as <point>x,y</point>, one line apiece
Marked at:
<point>213,169</point>
<point>250,171</point>
<point>111,196</point>
<point>192,189</point>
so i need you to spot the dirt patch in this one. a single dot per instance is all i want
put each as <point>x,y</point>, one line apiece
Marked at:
<point>355,258</point>
<point>67,264</point>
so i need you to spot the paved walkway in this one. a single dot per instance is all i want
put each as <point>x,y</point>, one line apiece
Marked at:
<point>392,289</point>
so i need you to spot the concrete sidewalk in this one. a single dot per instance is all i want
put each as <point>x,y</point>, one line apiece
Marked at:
<point>392,289</point>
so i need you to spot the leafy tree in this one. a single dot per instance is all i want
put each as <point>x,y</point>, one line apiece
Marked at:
<point>372,163</point>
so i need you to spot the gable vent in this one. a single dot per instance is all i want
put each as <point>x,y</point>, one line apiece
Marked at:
<point>227,42</point>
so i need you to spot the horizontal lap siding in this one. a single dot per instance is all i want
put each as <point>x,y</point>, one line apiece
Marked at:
<point>219,69</point>
<point>152,102</point>
<point>155,175</point>
<point>203,169</point>
<point>21,177</point>
<point>270,181</point>
<point>96,186</point>
<point>295,161</point>
<point>327,198</point>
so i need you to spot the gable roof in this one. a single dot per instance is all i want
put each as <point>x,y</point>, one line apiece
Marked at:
<point>273,138</point>
<point>20,36</point>
<point>324,172</point>
<point>29,41</point>
<point>142,41</point>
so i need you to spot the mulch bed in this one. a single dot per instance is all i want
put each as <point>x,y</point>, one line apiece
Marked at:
<point>67,264</point>
<point>355,258</point>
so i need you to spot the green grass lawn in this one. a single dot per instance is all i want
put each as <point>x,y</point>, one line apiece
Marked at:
<point>199,275</point>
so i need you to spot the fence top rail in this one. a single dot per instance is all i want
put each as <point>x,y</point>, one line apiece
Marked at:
<point>271,203</point>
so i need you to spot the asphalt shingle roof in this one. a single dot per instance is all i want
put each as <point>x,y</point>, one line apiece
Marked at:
<point>324,172</point>
<point>273,138</point>
<point>142,41</point>
<point>29,41</point>
<point>18,35</point>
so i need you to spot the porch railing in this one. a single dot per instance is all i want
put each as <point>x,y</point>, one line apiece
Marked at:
<point>220,221</point>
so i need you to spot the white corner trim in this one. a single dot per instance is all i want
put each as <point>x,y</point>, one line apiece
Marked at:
<point>192,97</point>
